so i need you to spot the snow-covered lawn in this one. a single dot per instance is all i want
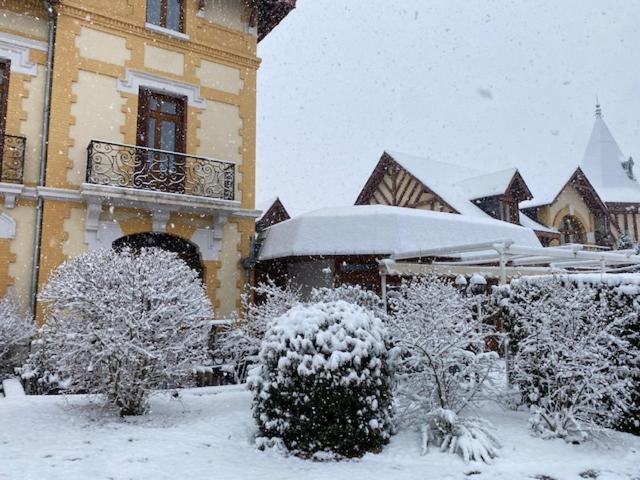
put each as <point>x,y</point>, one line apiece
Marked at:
<point>207,434</point>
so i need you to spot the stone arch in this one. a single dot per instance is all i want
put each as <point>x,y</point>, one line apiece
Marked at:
<point>186,250</point>
<point>586,221</point>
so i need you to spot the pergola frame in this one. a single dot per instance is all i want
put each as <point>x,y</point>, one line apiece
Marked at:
<point>504,259</point>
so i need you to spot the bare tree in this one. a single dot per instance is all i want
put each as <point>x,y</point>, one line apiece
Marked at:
<point>443,365</point>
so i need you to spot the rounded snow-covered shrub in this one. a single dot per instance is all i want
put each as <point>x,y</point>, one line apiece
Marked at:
<point>354,294</point>
<point>124,323</point>
<point>323,383</point>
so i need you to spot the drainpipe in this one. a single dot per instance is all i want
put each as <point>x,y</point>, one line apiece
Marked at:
<point>44,146</point>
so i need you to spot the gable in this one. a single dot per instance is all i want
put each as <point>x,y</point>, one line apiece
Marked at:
<point>391,184</point>
<point>578,198</point>
<point>276,213</point>
<point>579,182</point>
<point>518,189</point>
<point>570,202</point>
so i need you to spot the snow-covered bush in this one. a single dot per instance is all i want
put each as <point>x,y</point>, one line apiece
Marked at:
<point>238,347</point>
<point>469,437</point>
<point>353,294</point>
<point>15,334</point>
<point>624,242</point>
<point>575,355</point>
<point>443,366</point>
<point>123,323</point>
<point>38,373</point>
<point>323,384</point>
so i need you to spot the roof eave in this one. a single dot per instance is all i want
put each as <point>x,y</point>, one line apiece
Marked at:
<point>267,14</point>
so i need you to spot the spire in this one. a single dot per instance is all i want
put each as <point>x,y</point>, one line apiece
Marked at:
<point>605,166</point>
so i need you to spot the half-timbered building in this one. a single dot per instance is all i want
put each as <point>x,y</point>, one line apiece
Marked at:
<point>593,201</point>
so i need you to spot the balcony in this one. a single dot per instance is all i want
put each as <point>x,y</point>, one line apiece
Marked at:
<point>141,168</point>
<point>12,167</point>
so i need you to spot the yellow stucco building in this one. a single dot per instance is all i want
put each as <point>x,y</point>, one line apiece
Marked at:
<point>129,122</point>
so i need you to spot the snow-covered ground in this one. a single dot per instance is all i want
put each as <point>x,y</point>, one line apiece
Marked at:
<point>207,434</point>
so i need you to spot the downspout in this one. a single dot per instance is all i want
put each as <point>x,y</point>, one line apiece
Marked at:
<point>44,147</point>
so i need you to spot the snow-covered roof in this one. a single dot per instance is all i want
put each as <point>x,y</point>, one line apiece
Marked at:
<point>526,221</point>
<point>382,230</point>
<point>601,164</point>
<point>546,185</point>
<point>455,184</point>
<point>487,184</point>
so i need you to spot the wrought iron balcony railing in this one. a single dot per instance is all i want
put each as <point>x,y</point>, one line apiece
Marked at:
<point>144,168</point>
<point>12,153</point>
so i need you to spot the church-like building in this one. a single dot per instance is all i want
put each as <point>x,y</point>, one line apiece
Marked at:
<point>593,202</point>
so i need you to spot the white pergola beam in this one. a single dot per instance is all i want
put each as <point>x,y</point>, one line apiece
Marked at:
<point>452,250</point>
<point>511,260</point>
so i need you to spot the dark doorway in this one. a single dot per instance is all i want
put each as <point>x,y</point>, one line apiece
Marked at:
<point>161,129</point>
<point>186,250</point>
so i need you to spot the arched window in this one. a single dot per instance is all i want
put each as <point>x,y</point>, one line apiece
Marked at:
<point>572,230</point>
<point>186,250</point>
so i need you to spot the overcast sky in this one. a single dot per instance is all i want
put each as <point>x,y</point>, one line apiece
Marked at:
<point>490,84</point>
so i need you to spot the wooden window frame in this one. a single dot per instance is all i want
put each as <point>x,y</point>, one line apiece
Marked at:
<point>509,210</point>
<point>5,67</point>
<point>4,95</point>
<point>164,10</point>
<point>144,114</point>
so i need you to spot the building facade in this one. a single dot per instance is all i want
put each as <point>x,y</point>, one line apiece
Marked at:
<point>129,122</point>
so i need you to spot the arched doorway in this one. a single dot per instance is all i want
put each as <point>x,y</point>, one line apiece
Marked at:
<point>186,250</point>
<point>572,230</point>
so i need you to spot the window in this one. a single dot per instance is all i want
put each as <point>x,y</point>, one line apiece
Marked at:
<point>167,14</point>
<point>571,230</point>
<point>510,212</point>
<point>5,67</point>
<point>162,128</point>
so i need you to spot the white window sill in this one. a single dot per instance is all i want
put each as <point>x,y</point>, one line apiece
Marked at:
<point>166,31</point>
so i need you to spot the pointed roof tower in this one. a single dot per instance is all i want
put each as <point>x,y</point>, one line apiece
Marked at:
<point>604,165</point>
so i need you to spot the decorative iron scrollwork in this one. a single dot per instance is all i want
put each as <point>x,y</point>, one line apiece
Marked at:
<point>12,168</point>
<point>144,168</point>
